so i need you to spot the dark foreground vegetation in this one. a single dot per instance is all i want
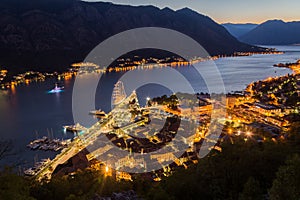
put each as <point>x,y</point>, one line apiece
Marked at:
<point>243,170</point>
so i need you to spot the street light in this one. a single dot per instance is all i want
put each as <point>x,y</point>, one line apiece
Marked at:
<point>248,134</point>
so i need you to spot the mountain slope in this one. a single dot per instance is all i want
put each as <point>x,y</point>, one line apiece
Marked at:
<point>274,32</point>
<point>238,30</point>
<point>51,34</point>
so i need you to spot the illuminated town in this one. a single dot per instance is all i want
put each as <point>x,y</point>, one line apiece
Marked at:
<point>122,65</point>
<point>158,100</point>
<point>266,105</point>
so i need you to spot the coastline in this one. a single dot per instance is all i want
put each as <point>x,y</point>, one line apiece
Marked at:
<point>295,67</point>
<point>35,76</point>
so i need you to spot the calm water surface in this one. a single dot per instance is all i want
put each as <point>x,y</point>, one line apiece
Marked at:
<point>28,111</point>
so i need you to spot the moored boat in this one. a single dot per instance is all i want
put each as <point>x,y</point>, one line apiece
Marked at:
<point>98,113</point>
<point>74,128</point>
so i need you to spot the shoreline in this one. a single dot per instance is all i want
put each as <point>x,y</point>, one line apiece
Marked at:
<point>248,85</point>
<point>295,67</point>
<point>35,76</point>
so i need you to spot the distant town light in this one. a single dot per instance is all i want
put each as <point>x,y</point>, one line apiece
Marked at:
<point>249,134</point>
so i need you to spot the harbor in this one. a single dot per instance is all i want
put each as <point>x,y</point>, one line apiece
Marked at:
<point>37,166</point>
<point>57,111</point>
<point>47,144</point>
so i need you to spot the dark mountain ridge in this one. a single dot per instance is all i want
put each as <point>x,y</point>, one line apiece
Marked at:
<point>52,34</point>
<point>274,32</point>
<point>238,30</point>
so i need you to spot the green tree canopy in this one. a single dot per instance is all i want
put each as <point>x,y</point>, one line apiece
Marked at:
<point>287,183</point>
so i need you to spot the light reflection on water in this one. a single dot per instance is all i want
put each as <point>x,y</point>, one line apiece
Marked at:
<point>27,110</point>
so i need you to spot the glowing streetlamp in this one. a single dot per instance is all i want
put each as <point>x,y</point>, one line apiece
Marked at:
<point>248,134</point>
<point>148,103</point>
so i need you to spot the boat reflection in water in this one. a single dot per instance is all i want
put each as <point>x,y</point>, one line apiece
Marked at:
<point>56,89</point>
<point>76,129</point>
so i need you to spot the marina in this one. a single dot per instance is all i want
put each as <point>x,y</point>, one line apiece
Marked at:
<point>38,165</point>
<point>47,144</point>
<point>115,100</point>
<point>53,111</point>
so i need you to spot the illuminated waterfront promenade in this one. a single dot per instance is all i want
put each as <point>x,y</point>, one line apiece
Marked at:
<point>118,117</point>
<point>88,138</point>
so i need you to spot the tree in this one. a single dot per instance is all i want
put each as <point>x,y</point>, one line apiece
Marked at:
<point>5,148</point>
<point>13,187</point>
<point>251,191</point>
<point>158,193</point>
<point>294,132</point>
<point>287,183</point>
